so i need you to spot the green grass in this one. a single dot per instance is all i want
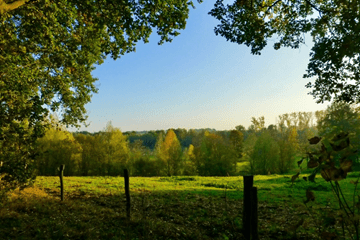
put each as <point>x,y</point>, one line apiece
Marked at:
<point>165,208</point>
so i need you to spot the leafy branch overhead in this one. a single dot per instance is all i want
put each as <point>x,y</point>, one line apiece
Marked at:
<point>333,26</point>
<point>48,50</point>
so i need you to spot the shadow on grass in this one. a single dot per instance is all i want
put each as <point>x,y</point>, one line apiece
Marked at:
<point>176,214</point>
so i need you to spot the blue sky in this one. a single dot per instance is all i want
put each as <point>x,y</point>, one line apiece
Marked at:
<point>199,81</point>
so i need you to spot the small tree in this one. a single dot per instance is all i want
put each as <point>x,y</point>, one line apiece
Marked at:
<point>116,150</point>
<point>58,147</point>
<point>265,155</point>
<point>141,164</point>
<point>214,157</point>
<point>190,161</point>
<point>170,153</point>
<point>88,165</point>
<point>288,148</point>
<point>236,141</point>
<point>249,144</point>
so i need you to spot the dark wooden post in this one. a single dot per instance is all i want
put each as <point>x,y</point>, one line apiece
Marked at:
<point>254,214</point>
<point>248,184</point>
<point>127,193</point>
<point>62,167</point>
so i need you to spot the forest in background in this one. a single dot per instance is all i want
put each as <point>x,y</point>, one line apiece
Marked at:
<point>259,149</point>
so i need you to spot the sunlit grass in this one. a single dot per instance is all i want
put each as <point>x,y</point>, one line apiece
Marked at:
<point>183,207</point>
<point>271,188</point>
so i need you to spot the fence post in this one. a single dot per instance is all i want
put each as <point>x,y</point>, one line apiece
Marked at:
<point>248,184</point>
<point>127,193</point>
<point>254,214</point>
<point>62,167</point>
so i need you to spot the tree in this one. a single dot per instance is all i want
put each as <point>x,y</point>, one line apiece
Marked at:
<point>249,144</point>
<point>17,154</point>
<point>88,165</point>
<point>58,147</point>
<point>333,25</point>
<point>259,124</point>
<point>190,161</point>
<point>116,151</point>
<point>303,138</point>
<point>214,157</point>
<point>288,148</point>
<point>141,164</point>
<point>285,121</point>
<point>305,120</point>
<point>47,52</point>
<point>265,154</point>
<point>339,118</point>
<point>240,128</point>
<point>236,142</point>
<point>172,153</point>
<point>160,155</point>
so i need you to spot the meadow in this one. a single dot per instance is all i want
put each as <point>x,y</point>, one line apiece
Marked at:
<point>170,208</point>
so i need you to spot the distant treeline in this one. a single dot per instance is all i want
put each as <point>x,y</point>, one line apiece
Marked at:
<point>149,138</point>
<point>259,149</point>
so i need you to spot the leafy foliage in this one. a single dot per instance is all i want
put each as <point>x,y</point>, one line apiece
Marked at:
<point>288,146</point>
<point>236,139</point>
<point>214,157</point>
<point>338,119</point>
<point>47,52</point>
<point>333,171</point>
<point>324,161</point>
<point>333,25</point>
<point>115,151</point>
<point>190,164</point>
<point>265,155</point>
<point>104,154</point>
<point>169,151</point>
<point>107,152</point>
<point>58,147</point>
<point>16,156</point>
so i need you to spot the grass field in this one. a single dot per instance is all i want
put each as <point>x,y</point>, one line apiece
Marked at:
<point>168,208</point>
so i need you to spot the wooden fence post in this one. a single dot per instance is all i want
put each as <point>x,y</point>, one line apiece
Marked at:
<point>62,167</point>
<point>127,193</point>
<point>254,214</point>
<point>248,184</point>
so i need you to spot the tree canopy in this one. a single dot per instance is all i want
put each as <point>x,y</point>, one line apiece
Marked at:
<point>48,50</point>
<point>333,25</point>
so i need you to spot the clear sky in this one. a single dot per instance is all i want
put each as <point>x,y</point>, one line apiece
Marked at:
<point>199,81</point>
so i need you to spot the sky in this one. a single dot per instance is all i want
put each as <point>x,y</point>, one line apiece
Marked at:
<point>199,80</point>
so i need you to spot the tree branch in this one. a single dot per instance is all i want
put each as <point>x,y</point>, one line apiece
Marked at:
<point>272,5</point>
<point>7,7</point>
<point>313,6</point>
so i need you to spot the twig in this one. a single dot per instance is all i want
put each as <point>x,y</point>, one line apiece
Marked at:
<point>344,198</point>
<point>313,6</point>
<point>338,196</point>
<point>354,195</point>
